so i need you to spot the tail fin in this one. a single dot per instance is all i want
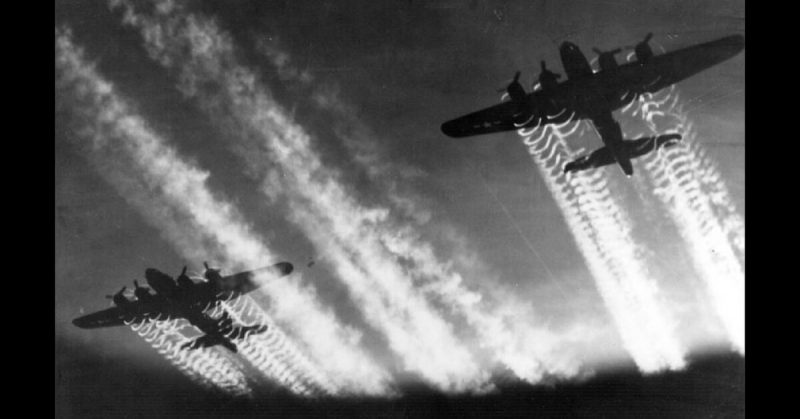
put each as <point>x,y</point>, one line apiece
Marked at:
<point>625,164</point>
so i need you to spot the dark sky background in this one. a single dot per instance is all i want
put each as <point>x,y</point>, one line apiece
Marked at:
<point>400,69</point>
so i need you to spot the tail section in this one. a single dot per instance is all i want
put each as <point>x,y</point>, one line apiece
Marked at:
<point>632,149</point>
<point>207,341</point>
<point>625,163</point>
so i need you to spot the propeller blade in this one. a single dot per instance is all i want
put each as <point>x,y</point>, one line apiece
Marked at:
<point>597,50</point>
<point>647,38</point>
<point>183,272</point>
<point>516,76</point>
<point>206,265</point>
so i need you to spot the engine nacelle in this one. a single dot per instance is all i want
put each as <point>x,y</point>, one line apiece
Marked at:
<point>516,92</point>
<point>160,282</point>
<point>643,50</point>
<point>606,58</point>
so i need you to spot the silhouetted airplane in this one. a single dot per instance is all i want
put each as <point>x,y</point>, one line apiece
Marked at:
<point>594,96</point>
<point>186,298</point>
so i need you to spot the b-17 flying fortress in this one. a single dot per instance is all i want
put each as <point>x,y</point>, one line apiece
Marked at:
<point>595,95</point>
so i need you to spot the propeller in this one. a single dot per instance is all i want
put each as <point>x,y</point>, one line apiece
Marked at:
<point>111,297</point>
<point>183,272</point>
<point>515,80</point>
<point>598,51</point>
<point>140,291</point>
<point>646,39</point>
<point>544,69</point>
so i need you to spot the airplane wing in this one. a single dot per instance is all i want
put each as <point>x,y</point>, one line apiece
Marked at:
<point>244,282</point>
<point>664,70</point>
<point>104,318</point>
<point>497,118</point>
<point>115,316</point>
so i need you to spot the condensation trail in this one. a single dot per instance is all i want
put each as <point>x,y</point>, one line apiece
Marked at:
<point>273,352</point>
<point>687,183</point>
<point>362,244</point>
<point>603,234</point>
<point>508,329</point>
<point>172,195</point>
<point>203,366</point>
<point>336,223</point>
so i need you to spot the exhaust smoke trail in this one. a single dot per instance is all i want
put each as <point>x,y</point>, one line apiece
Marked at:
<point>602,232</point>
<point>687,183</point>
<point>173,196</point>
<point>361,243</point>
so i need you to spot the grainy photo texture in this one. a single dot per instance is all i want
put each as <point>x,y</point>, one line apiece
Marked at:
<point>399,208</point>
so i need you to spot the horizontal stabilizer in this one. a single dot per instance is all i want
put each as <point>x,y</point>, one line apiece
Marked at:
<point>635,148</point>
<point>207,341</point>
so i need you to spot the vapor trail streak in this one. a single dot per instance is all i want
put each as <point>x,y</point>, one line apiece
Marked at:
<point>341,228</point>
<point>201,365</point>
<point>508,329</point>
<point>363,244</point>
<point>173,196</point>
<point>273,352</point>
<point>603,234</point>
<point>688,185</point>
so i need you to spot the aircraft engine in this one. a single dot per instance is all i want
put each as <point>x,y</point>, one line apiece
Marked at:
<point>606,58</point>
<point>643,50</point>
<point>515,90</point>
<point>161,282</point>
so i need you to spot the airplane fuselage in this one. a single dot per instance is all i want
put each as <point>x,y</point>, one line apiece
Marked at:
<point>587,93</point>
<point>185,298</point>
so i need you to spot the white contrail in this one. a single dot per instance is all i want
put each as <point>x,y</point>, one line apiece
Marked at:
<point>688,185</point>
<point>505,327</point>
<point>362,244</point>
<point>341,228</point>
<point>204,366</point>
<point>273,353</point>
<point>602,232</point>
<point>174,196</point>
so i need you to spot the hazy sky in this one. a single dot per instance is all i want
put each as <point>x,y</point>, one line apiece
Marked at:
<point>369,84</point>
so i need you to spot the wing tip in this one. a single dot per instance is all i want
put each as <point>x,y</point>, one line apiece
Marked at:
<point>81,322</point>
<point>450,129</point>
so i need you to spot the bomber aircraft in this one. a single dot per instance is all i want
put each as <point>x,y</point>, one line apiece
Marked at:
<point>189,299</point>
<point>595,95</point>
